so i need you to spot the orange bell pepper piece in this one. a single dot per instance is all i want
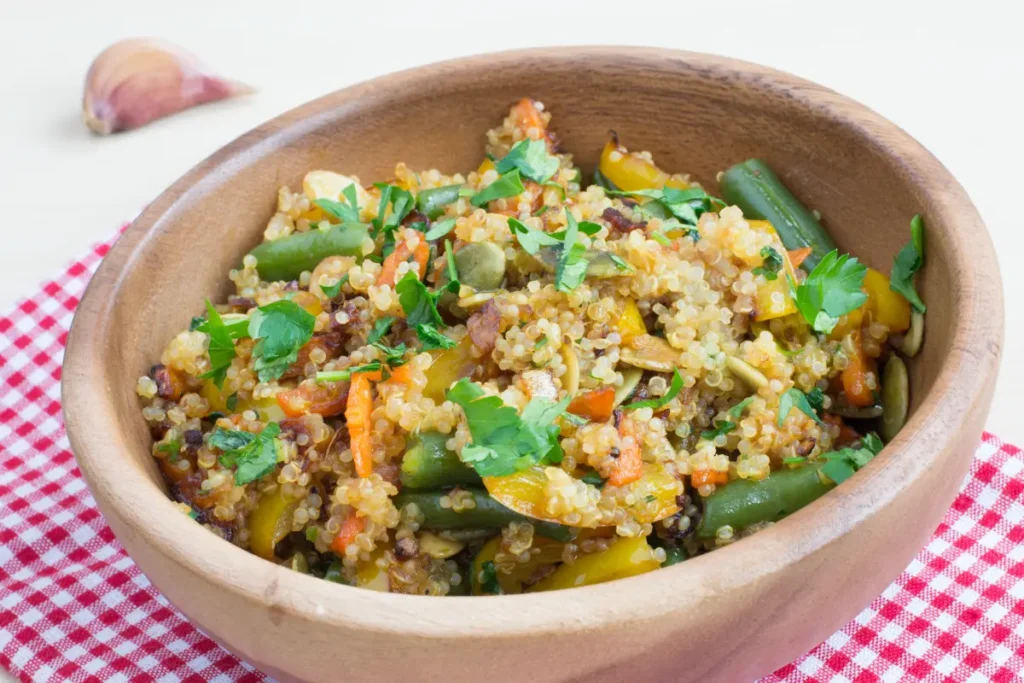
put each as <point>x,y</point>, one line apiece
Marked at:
<point>351,527</point>
<point>855,375</point>
<point>798,256</point>
<point>401,254</point>
<point>703,477</point>
<point>596,405</point>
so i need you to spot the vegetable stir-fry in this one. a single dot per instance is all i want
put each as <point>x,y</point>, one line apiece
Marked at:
<point>514,380</point>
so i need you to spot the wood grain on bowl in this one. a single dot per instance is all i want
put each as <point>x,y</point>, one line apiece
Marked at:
<point>734,614</point>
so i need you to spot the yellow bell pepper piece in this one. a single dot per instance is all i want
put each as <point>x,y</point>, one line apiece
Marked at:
<point>369,575</point>
<point>767,305</point>
<point>630,324</point>
<point>524,493</point>
<point>887,306</point>
<point>550,553</point>
<point>630,172</point>
<point>214,396</point>
<point>626,557</point>
<point>449,366</point>
<point>270,522</point>
<point>485,166</point>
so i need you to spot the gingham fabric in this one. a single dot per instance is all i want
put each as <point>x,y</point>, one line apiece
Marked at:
<point>74,607</point>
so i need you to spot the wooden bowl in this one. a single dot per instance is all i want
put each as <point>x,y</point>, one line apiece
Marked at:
<point>730,615</point>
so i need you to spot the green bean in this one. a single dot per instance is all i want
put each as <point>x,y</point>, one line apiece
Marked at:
<point>487,514</point>
<point>754,188</point>
<point>743,503</point>
<point>432,201</point>
<point>287,257</point>
<point>428,464</point>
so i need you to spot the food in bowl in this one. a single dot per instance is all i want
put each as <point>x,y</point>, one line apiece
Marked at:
<point>512,381</point>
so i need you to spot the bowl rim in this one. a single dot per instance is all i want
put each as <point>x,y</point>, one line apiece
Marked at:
<point>962,381</point>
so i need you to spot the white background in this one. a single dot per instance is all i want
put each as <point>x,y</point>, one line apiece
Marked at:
<point>949,73</point>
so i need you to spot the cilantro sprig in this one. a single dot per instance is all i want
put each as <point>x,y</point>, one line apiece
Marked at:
<point>281,329</point>
<point>532,159</point>
<point>907,262</point>
<point>505,442</point>
<point>840,465</point>
<point>661,402</point>
<point>251,455</point>
<point>831,290</point>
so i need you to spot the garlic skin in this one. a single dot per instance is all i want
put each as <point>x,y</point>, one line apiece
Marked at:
<point>140,80</point>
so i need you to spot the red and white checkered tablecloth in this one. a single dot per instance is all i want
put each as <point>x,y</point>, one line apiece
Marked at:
<point>74,607</point>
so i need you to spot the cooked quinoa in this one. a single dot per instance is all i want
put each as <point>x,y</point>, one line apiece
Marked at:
<point>509,380</point>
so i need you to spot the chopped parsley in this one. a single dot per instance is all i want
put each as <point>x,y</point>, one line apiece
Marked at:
<point>221,348</point>
<point>661,238</point>
<point>402,203</point>
<point>380,328</point>
<point>505,442</point>
<point>620,262</point>
<point>817,399</point>
<point>532,159</point>
<point>251,455</point>
<point>345,213</point>
<point>232,402</point>
<point>531,239</point>
<point>331,291</point>
<point>312,533</point>
<point>393,355</point>
<point>420,308</point>
<point>840,465</point>
<point>772,264</point>
<point>737,410</point>
<point>831,290</point>
<point>508,185</point>
<point>440,229</point>
<point>346,375</point>
<point>907,262</point>
<point>594,479</point>
<point>686,205</point>
<point>171,447</point>
<point>794,398</point>
<point>431,338</point>
<point>281,329</point>
<point>721,428</point>
<point>488,578</point>
<point>571,267</point>
<point>542,342</point>
<point>658,403</point>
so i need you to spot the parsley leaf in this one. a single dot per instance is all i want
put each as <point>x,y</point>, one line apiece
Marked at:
<point>431,338</point>
<point>737,410</point>
<point>907,262</point>
<point>721,428</point>
<point>817,399</point>
<point>772,264</point>
<point>503,441</point>
<point>345,213</point>
<point>232,402</point>
<point>281,328</point>
<point>488,579</point>
<point>221,348</point>
<point>832,289</point>
<point>794,398</point>
<point>656,403</point>
<point>439,229</point>
<point>572,266</point>
<point>417,302</point>
<point>620,262</point>
<point>402,203</point>
<point>531,239</point>
<point>687,205</point>
<point>252,455</point>
<point>331,291</point>
<point>594,479</point>
<point>532,159</point>
<point>393,355</point>
<point>840,465</point>
<point>380,328</point>
<point>508,185</point>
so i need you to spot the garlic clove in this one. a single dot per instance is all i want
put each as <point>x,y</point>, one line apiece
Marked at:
<point>140,80</point>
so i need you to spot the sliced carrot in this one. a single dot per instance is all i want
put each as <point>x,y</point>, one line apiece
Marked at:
<point>855,376</point>
<point>401,374</point>
<point>798,256</point>
<point>357,415</point>
<point>529,119</point>
<point>351,527</point>
<point>596,405</point>
<point>401,254</point>
<point>629,466</point>
<point>703,477</point>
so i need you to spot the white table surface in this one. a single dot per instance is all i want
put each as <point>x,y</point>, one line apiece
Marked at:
<point>948,73</point>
